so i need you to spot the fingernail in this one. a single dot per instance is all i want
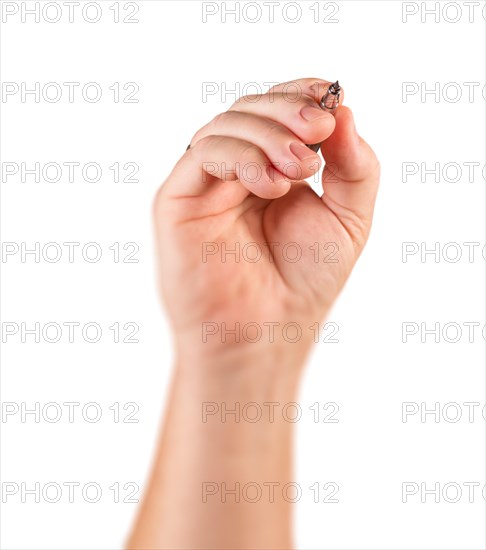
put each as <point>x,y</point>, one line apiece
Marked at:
<point>301,151</point>
<point>310,112</point>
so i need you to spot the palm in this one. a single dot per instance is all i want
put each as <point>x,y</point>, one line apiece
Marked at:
<point>259,260</point>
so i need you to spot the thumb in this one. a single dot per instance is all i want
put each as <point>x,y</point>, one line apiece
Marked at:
<point>351,176</point>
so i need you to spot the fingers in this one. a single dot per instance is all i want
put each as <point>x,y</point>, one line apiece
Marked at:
<point>227,170</point>
<point>286,151</point>
<point>314,88</point>
<point>351,177</point>
<point>256,147</point>
<point>302,115</point>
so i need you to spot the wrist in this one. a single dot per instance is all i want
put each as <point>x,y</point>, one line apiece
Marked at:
<point>230,346</point>
<point>241,371</point>
<point>256,358</point>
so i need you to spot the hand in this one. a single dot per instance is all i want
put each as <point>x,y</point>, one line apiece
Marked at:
<point>241,182</point>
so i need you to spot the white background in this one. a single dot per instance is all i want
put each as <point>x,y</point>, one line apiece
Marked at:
<point>172,55</point>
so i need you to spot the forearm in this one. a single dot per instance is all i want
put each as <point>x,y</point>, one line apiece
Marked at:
<point>224,429</point>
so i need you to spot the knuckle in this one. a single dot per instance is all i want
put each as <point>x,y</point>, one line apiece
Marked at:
<point>219,120</point>
<point>373,162</point>
<point>249,151</point>
<point>274,131</point>
<point>273,88</point>
<point>211,128</point>
<point>203,143</point>
<point>250,98</point>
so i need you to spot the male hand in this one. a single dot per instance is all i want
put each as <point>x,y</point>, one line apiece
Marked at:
<point>242,182</point>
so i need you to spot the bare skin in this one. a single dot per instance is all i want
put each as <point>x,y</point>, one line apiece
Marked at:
<point>220,194</point>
